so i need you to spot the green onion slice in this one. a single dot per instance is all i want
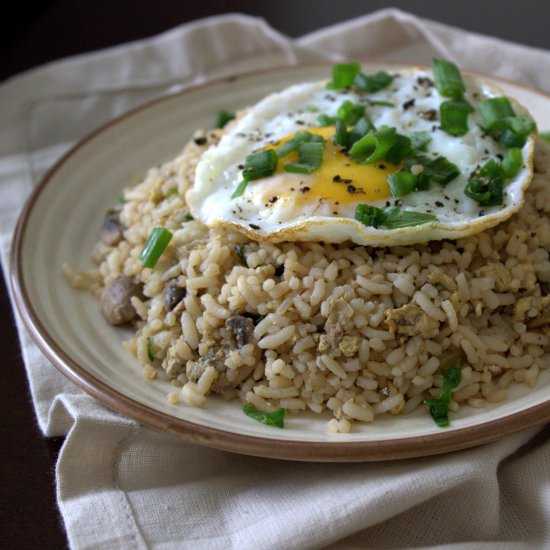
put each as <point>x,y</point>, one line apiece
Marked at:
<point>341,136</point>
<point>448,79</point>
<point>343,75</point>
<point>121,199</point>
<point>311,156</point>
<point>156,244</point>
<point>391,217</point>
<point>486,185</point>
<point>439,407</point>
<point>401,183</point>
<point>516,130</point>
<point>374,82</point>
<point>150,350</point>
<point>298,168</point>
<point>362,128</point>
<point>374,146</point>
<point>400,150</point>
<point>223,117</point>
<point>500,120</point>
<point>440,170</point>
<point>260,165</point>
<point>454,117</point>
<point>171,192</point>
<point>275,418</point>
<point>350,112</point>
<point>493,110</point>
<point>240,189</point>
<point>511,163</point>
<point>420,141</point>
<point>325,120</point>
<point>297,139</point>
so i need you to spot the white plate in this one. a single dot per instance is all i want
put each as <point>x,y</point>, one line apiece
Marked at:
<point>60,224</point>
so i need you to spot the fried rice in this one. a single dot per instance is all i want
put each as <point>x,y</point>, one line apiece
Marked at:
<point>349,331</point>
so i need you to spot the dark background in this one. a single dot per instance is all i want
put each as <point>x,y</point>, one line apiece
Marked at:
<point>43,30</point>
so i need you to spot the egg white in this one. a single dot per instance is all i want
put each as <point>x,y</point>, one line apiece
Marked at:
<point>297,216</point>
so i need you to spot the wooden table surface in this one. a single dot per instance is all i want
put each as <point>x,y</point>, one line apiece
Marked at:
<point>57,28</point>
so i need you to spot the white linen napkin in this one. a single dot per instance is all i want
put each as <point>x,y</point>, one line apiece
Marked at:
<point>120,485</point>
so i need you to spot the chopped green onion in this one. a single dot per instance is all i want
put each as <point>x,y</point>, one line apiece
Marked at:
<point>311,156</point>
<point>156,244</point>
<point>222,118</point>
<point>448,79</point>
<point>500,120</point>
<point>170,192</point>
<point>374,146</point>
<point>420,140</point>
<point>493,110</point>
<point>401,183</point>
<point>369,215</point>
<point>516,130</point>
<point>325,120</point>
<point>341,136</point>
<point>362,128</point>
<point>374,82</point>
<point>391,217</point>
<point>397,218</point>
<point>511,163</point>
<point>298,168</point>
<point>188,217</point>
<point>486,185</point>
<point>275,418</point>
<point>439,406</point>
<point>121,199</point>
<point>260,165</point>
<point>545,136</point>
<point>286,148</point>
<point>343,75</point>
<point>350,112</point>
<point>294,144</point>
<point>422,182</point>
<point>240,189</point>
<point>312,108</point>
<point>441,170</point>
<point>454,117</point>
<point>311,153</point>
<point>150,351</point>
<point>400,150</point>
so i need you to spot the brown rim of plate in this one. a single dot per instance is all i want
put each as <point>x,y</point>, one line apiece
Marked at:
<point>355,451</point>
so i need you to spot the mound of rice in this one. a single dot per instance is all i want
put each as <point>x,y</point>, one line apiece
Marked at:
<point>353,330</point>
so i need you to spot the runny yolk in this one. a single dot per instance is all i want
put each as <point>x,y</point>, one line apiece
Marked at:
<point>339,178</point>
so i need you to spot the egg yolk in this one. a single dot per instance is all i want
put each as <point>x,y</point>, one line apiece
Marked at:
<point>339,179</point>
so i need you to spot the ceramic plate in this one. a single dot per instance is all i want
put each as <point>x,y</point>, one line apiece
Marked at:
<point>60,224</point>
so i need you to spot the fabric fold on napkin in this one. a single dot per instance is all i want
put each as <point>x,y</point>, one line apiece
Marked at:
<point>120,485</point>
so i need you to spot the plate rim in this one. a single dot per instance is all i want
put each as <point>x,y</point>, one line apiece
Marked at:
<point>289,449</point>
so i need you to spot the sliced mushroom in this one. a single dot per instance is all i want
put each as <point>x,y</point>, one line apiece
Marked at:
<point>172,295</point>
<point>241,329</point>
<point>112,228</point>
<point>116,302</point>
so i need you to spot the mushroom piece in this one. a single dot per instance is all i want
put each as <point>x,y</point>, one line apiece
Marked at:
<point>241,329</point>
<point>112,228</point>
<point>172,295</point>
<point>116,302</point>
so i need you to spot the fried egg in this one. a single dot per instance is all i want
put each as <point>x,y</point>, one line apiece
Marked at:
<point>322,205</point>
